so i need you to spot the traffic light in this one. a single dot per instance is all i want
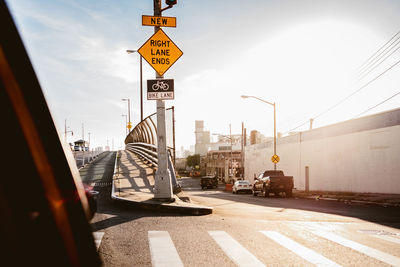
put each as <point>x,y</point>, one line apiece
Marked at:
<point>171,2</point>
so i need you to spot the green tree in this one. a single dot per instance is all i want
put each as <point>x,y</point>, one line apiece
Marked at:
<point>193,161</point>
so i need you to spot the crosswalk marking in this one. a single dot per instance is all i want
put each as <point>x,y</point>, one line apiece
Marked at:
<point>236,252</point>
<point>302,251</point>
<point>164,253</point>
<point>98,236</point>
<point>371,252</point>
<point>162,250</point>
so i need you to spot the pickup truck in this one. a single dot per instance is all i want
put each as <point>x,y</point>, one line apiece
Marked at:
<point>273,181</point>
<point>208,182</point>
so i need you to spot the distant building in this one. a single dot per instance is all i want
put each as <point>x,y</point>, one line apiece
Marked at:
<point>257,138</point>
<point>202,139</point>
<point>224,142</point>
<point>224,164</point>
<point>81,145</point>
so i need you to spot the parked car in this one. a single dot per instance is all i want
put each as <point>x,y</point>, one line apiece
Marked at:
<point>273,181</point>
<point>208,182</point>
<point>242,186</point>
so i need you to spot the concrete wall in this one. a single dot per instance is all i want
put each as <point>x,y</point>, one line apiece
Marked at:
<point>361,155</point>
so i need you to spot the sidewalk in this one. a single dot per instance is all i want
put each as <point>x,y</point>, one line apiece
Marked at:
<point>385,200</point>
<point>133,182</point>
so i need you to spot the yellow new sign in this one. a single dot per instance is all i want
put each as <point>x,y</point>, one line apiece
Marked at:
<point>160,52</point>
<point>158,21</point>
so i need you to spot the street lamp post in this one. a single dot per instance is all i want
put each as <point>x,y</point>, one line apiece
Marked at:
<point>274,105</point>
<point>141,83</point>
<point>126,123</point>
<point>129,110</point>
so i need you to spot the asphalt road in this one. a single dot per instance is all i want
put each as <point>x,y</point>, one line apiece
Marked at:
<point>247,231</point>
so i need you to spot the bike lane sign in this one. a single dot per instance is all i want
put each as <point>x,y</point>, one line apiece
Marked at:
<point>160,89</point>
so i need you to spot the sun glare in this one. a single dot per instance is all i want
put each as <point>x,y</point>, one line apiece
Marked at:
<point>308,66</point>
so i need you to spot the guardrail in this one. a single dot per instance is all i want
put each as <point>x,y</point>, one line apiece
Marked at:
<point>146,132</point>
<point>148,153</point>
<point>84,157</point>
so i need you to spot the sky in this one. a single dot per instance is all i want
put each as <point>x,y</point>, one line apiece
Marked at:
<point>304,55</point>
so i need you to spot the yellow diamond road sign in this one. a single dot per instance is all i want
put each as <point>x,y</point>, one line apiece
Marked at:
<point>160,52</point>
<point>275,159</point>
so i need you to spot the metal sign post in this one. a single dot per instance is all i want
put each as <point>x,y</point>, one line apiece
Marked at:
<point>161,53</point>
<point>162,183</point>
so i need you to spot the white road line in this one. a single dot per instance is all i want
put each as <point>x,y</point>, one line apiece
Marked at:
<point>162,250</point>
<point>236,252</point>
<point>388,238</point>
<point>306,253</point>
<point>98,236</point>
<point>371,252</point>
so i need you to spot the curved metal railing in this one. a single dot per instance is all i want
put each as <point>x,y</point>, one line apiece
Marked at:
<point>142,141</point>
<point>147,152</point>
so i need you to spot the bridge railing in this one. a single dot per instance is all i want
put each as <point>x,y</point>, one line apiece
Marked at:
<point>142,141</point>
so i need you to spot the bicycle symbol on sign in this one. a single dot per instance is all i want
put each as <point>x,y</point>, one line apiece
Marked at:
<point>160,85</point>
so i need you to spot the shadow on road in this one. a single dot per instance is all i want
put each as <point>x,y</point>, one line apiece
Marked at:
<point>116,212</point>
<point>389,216</point>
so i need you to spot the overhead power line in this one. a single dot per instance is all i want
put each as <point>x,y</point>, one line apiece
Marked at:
<point>380,103</point>
<point>374,54</point>
<point>356,91</point>
<point>288,131</point>
<point>379,60</point>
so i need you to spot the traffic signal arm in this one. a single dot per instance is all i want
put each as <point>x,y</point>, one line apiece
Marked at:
<point>170,2</point>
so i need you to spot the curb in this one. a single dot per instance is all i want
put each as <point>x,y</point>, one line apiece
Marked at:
<point>154,204</point>
<point>349,201</point>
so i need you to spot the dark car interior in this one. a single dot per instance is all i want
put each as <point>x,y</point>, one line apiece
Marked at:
<point>44,210</point>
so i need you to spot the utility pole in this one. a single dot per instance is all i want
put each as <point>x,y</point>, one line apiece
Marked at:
<point>83,132</point>
<point>129,109</point>
<point>89,141</point>
<point>141,89</point>
<point>274,132</point>
<point>66,131</point>
<point>242,151</point>
<point>173,133</point>
<point>162,185</point>
<point>230,137</point>
<point>126,124</point>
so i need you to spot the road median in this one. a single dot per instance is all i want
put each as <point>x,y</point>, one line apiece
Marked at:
<point>133,183</point>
